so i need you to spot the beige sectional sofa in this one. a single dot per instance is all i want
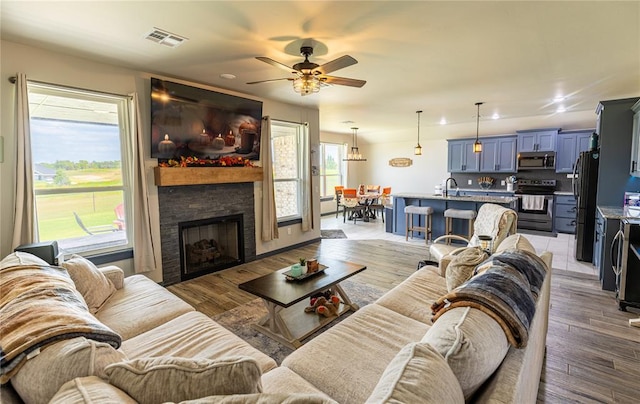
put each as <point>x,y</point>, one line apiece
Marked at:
<point>389,351</point>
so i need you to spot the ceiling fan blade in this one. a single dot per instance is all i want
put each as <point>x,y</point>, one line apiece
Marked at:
<point>276,64</point>
<point>336,64</point>
<point>267,81</point>
<point>343,81</point>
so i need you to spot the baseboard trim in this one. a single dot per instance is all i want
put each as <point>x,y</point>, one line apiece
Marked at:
<point>291,247</point>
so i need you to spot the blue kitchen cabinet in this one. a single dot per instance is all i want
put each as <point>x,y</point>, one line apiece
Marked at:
<point>537,140</point>
<point>568,147</point>
<point>498,155</point>
<point>461,158</point>
<point>564,217</point>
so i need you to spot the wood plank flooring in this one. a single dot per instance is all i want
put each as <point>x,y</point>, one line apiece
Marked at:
<point>593,355</point>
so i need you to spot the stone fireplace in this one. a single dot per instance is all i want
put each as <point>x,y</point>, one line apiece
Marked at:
<point>186,205</point>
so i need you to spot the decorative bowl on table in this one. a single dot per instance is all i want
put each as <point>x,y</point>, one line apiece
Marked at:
<point>485,182</point>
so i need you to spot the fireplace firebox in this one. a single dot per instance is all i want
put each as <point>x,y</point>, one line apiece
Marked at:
<point>210,245</point>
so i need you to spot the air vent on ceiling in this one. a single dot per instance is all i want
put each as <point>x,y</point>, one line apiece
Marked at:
<point>165,38</point>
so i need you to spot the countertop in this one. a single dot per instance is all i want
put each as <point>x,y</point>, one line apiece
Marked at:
<point>618,212</point>
<point>470,198</point>
<point>482,190</point>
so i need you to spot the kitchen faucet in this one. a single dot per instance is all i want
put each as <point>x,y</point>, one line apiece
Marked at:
<point>446,187</point>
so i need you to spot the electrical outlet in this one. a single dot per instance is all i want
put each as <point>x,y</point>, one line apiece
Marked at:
<point>503,183</point>
<point>289,230</point>
<point>470,182</point>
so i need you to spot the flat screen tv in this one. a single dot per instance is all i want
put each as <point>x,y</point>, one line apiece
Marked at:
<point>189,121</point>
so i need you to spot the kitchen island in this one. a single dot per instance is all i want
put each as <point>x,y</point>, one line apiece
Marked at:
<point>439,205</point>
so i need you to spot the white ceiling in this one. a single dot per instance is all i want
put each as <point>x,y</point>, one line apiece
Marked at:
<point>439,57</point>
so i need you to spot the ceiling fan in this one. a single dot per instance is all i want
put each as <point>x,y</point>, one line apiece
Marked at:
<point>311,76</point>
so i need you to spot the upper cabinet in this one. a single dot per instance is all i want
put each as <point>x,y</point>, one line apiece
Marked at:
<point>568,147</point>
<point>635,148</point>
<point>498,155</point>
<point>461,158</point>
<point>537,140</point>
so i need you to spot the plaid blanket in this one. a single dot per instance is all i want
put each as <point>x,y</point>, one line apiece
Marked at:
<point>507,291</point>
<point>40,305</point>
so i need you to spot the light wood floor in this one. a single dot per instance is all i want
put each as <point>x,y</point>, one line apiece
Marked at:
<point>592,353</point>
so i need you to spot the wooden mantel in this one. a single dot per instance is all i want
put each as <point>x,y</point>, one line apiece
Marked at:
<point>172,176</point>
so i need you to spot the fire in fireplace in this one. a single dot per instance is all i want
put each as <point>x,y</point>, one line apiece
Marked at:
<point>210,245</point>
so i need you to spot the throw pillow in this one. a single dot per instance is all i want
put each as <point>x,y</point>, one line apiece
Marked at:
<point>461,267</point>
<point>161,379</point>
<point>472,343</point>
<point>94,287</point>
<point>21,258</point>
<point>42,375</point>
<point>90,390</point>
<point>264,398</point>
<point>417,374</point>
<point>516,242</point>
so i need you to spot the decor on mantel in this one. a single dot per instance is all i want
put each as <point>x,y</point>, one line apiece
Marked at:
<point>418,149</point>
<point>477,146</point>
<point>355,152</point>
<point>195,171</point>
<point>224,161</point>
<point>400,162</point>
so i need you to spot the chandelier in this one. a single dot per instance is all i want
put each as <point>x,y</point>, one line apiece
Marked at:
<point>477,146</point>
<point>418,149</point>
<point>306,84</point>
<point>355,152</point>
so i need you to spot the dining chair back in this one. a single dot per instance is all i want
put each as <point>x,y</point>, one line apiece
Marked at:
<point>338,197</point>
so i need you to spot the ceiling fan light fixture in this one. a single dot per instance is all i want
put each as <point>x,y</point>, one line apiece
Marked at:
<point>418,149</point>
<point>355,154</point>
<point>477,146</point>
<point>306,84</point>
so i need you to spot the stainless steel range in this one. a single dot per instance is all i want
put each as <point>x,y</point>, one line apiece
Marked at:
<point>535,204</point>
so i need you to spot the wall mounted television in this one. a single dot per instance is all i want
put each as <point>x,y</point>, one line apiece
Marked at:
<point>189,121</point>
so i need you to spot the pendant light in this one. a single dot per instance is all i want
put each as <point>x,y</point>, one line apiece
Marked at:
<point>355,152</point>
<point>418,149</point>
<point>477,146</point>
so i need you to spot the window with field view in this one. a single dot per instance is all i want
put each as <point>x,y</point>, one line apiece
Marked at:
<point>332,168</point>
<point>288,145</point>
<point>81,185</point>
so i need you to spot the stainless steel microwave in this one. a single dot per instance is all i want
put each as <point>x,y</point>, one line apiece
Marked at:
<point>536,161</point>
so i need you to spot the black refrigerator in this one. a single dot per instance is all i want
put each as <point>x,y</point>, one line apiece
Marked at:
<point>585,185</point>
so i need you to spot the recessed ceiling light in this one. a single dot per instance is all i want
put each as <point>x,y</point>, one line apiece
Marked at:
<point>495,116</point>
<point>561,109</point>
<point>443,121</point>
<point>348,122</point>
<point>228,76</point>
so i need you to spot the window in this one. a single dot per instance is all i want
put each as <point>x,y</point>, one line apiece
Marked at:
<point>78,139</point>
<point>288,145</point>
<point>332,168</point>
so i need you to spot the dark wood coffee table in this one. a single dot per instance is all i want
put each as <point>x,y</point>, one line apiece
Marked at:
<point>286,320</point>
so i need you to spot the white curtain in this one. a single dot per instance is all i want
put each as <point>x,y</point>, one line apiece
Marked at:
<point>269,217</point>
<point>307,211</point>
<point>144,257</point>
<point>24,219</point>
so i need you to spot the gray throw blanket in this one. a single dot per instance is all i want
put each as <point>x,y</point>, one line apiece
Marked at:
<point>507,291</point>
<point>40,305</point>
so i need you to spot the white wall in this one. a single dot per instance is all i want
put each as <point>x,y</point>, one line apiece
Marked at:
<point>46,66</point>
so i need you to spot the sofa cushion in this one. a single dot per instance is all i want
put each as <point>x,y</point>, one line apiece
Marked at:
<point>461,267</point>
<point>193,335</point>
<point>157,380</point>
<point>354,352</point>
<point>21,258</point>
<point>262,398</point>
<point>418,374</point>
<point>94,287</point>
<point>413,297</point>
<point>516,242</point>
<point>42,375</point>
<point>472,343</point>
<point>140,306</point>
<point>282,380</point>
<point>90,390</point>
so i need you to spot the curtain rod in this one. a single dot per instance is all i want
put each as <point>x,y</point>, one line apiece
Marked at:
<point>285,121</point>
<point>14,79</point>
